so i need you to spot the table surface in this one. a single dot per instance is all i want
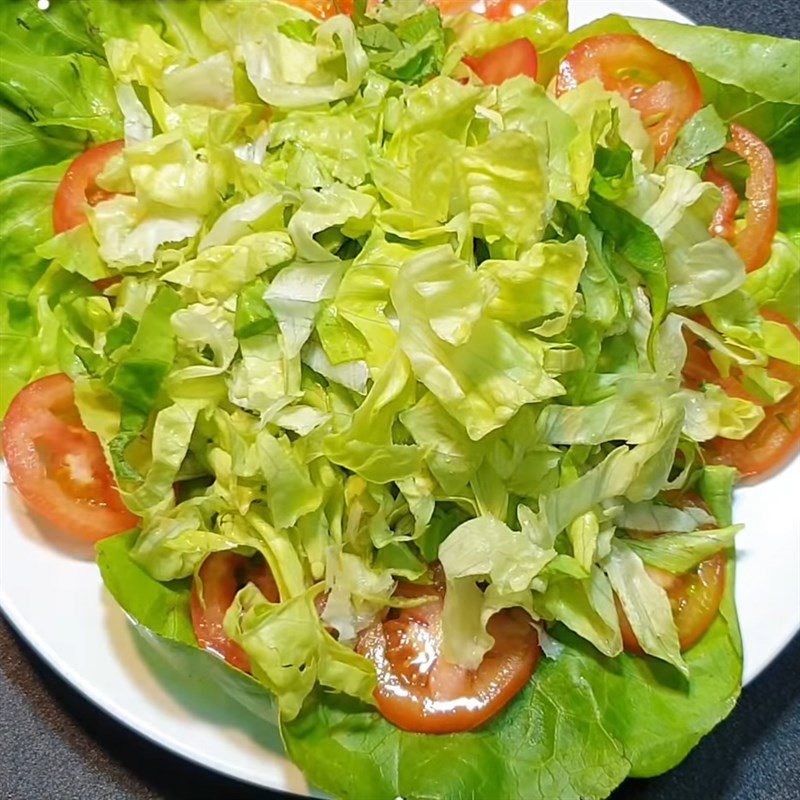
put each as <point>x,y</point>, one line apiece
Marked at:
<point>54,744</point>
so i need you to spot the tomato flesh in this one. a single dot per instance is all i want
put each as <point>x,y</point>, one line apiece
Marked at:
<point>324,9</point>
<point>695,596</point>
<point>505,9</point>
<point>78,187</point>
<point>491,9</point>
<point>507,61</point>
<point>723,223</point>
<point>58,466</point>
<point>776,440</point>
<point>661,87</point>
<point>754,241</point>
<point>421,692</point>
<point>220,577</point>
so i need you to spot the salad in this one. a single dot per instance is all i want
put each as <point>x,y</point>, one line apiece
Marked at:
<point>401,359</point>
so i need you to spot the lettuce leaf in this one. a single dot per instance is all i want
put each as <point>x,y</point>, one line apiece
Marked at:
<point>25,222</point>
<point>479,370</point>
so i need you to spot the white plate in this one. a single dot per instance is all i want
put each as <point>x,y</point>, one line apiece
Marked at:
<point>76,627</point>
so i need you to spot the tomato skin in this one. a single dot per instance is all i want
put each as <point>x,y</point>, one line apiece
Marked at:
<point>419,691</point>
<point>723,223</point>
<point>78,187</point>
<point>219,579</point>
<point>507,61</point>
<point>58,466</point>
<point>661,87</point>
<point>776,440</point>
<point>754,241</point>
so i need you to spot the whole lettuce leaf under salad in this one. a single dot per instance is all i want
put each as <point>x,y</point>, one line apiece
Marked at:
<point>371,317</point>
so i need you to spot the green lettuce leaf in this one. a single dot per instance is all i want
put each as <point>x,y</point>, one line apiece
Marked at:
<point>646,605</point>
<point>367,446</point>
<point>479,370</point>
<point>348,750</point>
<point>679,552</point>
<point>24,146</point>
<point>25,222</point>
<point>290,650</point>
<point>506,186</point>
<point>291,73</point>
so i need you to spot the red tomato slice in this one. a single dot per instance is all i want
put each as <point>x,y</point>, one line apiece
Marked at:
<point>507,61</point>
<point>754,241</point>
<point>78,187</point>
<point>492,9</point>
<point>661,87</point>
<point>694,596</point>
<point>421,692</point>
<point>505,9</point>
<point>774,443</point>
<point>777,438</point>
<point>324,9</point>
<point>220,578</point>
<point>723,224</point>
<point>700,369</point>
<point>58,466</point>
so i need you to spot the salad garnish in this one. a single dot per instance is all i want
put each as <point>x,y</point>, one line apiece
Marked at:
<point>401,358</point>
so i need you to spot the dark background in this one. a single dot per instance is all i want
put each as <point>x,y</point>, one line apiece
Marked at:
<point>54,745</point>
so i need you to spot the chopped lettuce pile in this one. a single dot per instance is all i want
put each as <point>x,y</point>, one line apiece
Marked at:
<point>368,315</point>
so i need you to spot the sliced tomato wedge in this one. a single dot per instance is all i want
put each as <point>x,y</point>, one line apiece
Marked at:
<point>661,87</point>
<point>324,9</point>
<point>58,466</point>
<point>217,582</point>
<point>505,9</point>
<point>421,692</point>
<point>754,241</point>
<point>491,9</point>
<point>723,223</point>
<point>78,187</point>
<point>507,61</point>
<point>774,443</point>
<point>777,438</point>
<point>700,369</point>
<point>695,596</point>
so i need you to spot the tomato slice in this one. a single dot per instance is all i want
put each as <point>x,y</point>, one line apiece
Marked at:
<point>700,369</point>
<point>78,187</point>
<point>58,466</point>
<point>218,580</point>
<point>491,9</point>
<point>754,241</point>
<point>507,61</point>
<point>505,9</point>
<point>695,596</point>
<point>723,224</point>
<point>324,9</point>
<point>777,438</point>
<point>661,87</point>
<point>421,692</point>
